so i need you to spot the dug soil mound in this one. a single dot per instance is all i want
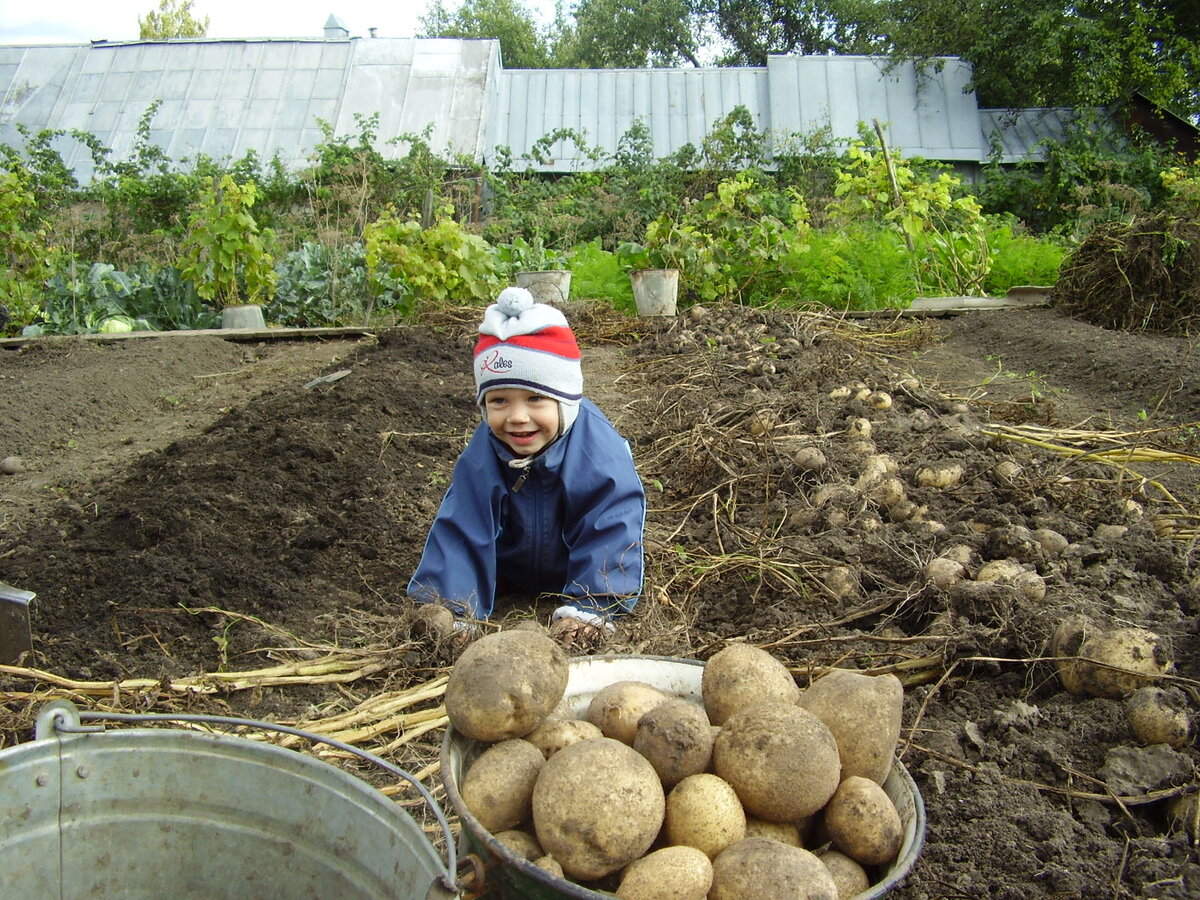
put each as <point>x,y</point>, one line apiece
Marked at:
<point>194,512</point>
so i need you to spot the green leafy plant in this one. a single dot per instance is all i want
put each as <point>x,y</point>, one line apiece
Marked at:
<point>320,285</point>
<point>859,266</point>
<point>520,255</point>
<point>24,249</point>
<point>408,265</point>
<point>97,300</point>
<point>942,227</point>
<point>226,256</point>
<point>1018,257</point>
<point>597,273</point>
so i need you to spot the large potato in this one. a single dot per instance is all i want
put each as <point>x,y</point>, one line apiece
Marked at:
<point>677,740</point>
<point>618,707</point>
<point>782,760</point>
<point>1108,662</point>
<point>505,684</point>
<point>863,823</point>
<point>1159,716</point>
<point>672,873</point>
<point>498,787</point>
<point>864,713</point>
<point>759,868</point>
<point>521,843</point>
<point>597,806</point>
<point>742,675</point>
<point>703,811</point>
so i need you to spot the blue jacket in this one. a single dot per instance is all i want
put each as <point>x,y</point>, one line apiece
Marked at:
<point>570,523</point>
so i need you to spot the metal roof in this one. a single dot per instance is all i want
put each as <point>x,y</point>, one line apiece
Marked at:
<point>222,98</point>
<point>1018,134</point>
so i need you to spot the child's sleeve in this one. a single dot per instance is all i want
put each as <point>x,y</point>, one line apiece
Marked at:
<point>458,564</point>
<point>605,518</point>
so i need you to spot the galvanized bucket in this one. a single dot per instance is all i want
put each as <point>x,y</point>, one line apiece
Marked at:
<point>514,877</point>
<point>163,812</point>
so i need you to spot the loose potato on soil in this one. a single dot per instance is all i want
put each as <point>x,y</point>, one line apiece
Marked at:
<point>554,734</point>
<point>1112,663</point>
<point>673,873</point>
<point>618,707</point>
<point>863,712</point>
<point>782,760</point>
<point>676,738</point>
<point>742,675</point>
<point>597,806</point>
<point>1159,716</point>
<point>758,868</point>
<point>505,684</point>
<point>703,811</point>
<point>498,787</point>
<point>851,878</point>
<point>863,823</point>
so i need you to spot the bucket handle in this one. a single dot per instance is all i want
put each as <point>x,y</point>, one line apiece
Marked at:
<point>63,717</point>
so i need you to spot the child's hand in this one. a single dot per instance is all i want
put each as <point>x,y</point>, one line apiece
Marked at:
<point>576,633</point>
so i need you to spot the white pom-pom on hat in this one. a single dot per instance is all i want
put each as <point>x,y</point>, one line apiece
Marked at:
<point>514,300</point>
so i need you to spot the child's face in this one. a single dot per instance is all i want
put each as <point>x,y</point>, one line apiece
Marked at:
<point>524,421</point>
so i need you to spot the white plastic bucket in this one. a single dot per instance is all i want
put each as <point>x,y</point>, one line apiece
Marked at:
<point>519,879</point>
<point>548,286</point>
<point>655,291</point>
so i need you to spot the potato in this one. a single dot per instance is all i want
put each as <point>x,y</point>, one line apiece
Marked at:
<point>554,734</point>
<point>785,832</point>
<point>1183,815</point>
<point>810,459</point>
<point>597,806</point>
<point>1128,658</point>
<point>676,738</point>
<point>618,707</point>
<point>944,573</point>
<point>782,760</point>
<point>703,811</point>
<point>498,787</point>
<point>863,712</point>
<point>521,843</point>
<point>741,675</point>
<point>863,823</point>
<point>758,868</point>
<point>1159,716</point>
<point>505,684</point>
<point>1004,571</point>
<point>851,878</point>
<point>672,873</point>
<point>941,476</point>
<point>550,864</point>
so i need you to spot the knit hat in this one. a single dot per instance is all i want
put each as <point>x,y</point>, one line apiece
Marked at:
<point>523,344</point>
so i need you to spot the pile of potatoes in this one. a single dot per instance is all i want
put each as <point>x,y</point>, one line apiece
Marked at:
<point>757,789</point>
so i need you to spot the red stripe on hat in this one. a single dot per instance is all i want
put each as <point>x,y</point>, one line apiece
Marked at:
<point>555,339</point>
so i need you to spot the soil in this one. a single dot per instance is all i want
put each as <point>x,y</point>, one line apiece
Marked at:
<point>196,504</point>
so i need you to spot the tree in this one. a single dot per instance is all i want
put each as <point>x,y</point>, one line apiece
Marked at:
<point>522,44</point>
<point>753,29</point>
<point>174,19</point>
<point>630,34</point>
<point>1058,52</point>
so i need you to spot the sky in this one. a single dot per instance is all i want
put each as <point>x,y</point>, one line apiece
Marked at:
<point>81,21</point>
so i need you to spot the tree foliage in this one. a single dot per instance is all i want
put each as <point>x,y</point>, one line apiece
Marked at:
<point>523,45</point>
<point>623,34</point>
<point>1057,52</point>
<point>173,19</point>
<point>753,29</point>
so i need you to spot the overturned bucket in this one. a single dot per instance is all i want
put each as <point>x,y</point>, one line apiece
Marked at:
<point>159,812</point>
<point>515,878</point>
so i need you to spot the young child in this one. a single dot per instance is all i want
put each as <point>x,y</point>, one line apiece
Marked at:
<point>545,498</point>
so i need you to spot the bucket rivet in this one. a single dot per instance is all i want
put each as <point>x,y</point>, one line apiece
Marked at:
<point>42,780</point>
<point>83,771</point>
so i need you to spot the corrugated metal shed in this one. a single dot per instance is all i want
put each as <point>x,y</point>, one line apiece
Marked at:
<point>222,98</point>
<point>678,106</point>
<point>1018,133</point>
